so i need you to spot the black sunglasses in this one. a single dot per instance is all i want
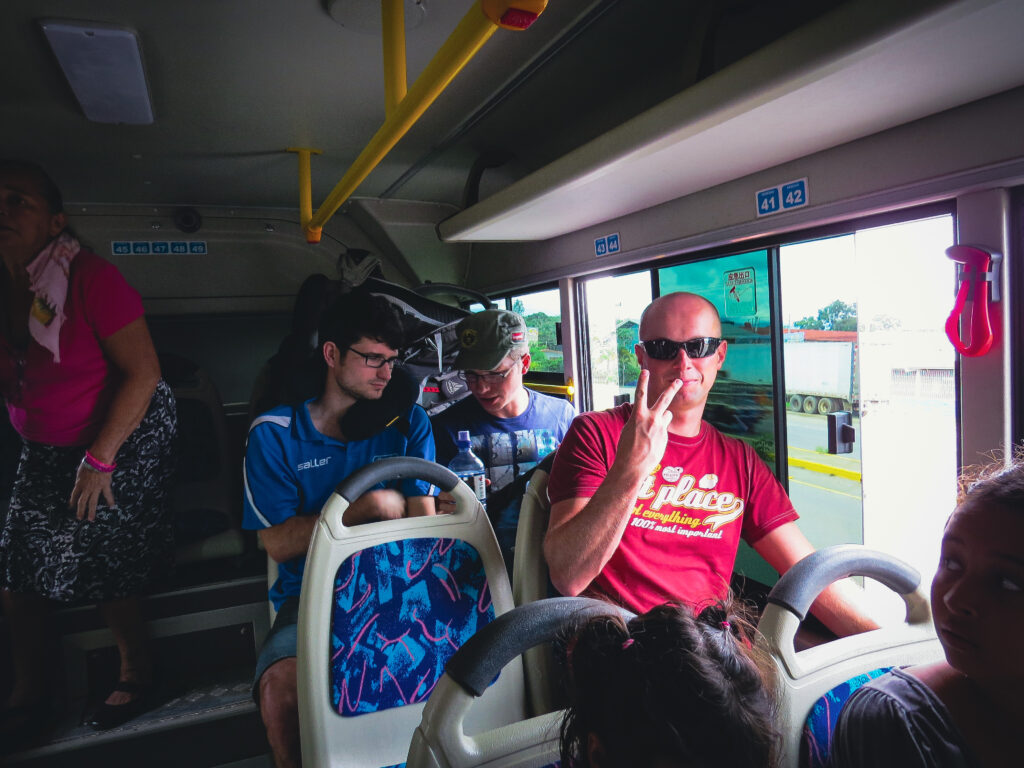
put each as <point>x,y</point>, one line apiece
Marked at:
<point>666,349</point>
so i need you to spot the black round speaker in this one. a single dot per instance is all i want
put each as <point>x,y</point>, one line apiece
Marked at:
<point>187,219</point>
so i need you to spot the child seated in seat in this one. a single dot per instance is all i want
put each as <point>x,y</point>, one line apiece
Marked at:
<point>965,711</point>
<point>668,689</point>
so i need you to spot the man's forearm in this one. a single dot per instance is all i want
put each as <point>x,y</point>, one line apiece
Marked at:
<point>841,608</point>
<point>585,537</point>
<point>289,539</point>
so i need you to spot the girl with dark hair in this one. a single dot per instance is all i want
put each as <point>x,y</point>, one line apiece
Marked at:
<point>966,710</point>
<point>668,689</point>
<point>87,520</point>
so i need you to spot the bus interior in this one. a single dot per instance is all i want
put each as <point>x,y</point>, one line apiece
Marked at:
<point>805,165</point>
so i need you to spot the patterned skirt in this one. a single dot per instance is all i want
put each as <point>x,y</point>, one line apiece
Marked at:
<point>46,550</point>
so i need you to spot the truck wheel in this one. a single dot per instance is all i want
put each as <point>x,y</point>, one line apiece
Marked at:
<point>825,405</point>
<point>810,404</point>
<point>795,402</point>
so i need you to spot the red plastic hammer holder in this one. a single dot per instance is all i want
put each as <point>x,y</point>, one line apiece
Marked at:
<point>979,268</point>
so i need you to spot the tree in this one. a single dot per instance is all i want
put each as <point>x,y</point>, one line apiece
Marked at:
<point>837,316</point>
<point>518,307</point>
<point>546,340</point>
<point>626,336</point>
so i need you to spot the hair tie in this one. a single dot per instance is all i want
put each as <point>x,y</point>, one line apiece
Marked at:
<point>726,625</point>
<point>627,642</point>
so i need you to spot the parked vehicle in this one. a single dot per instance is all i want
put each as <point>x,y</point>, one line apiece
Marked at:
<point>821,376</point>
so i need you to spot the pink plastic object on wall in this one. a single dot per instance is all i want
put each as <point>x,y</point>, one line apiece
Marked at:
<point>976,271</point>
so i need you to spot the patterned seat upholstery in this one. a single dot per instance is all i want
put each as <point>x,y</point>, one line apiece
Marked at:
<point>816,742</point>
<point>383,608</point>
<point>401,610</point>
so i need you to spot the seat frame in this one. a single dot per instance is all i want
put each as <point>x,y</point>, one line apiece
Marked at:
<point>376,739</point>
<point>804,676</point>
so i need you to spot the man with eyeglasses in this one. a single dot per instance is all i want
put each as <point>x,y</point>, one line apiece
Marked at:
<point>512,427</point>
<point>649,501</point>
<point>297,454</point>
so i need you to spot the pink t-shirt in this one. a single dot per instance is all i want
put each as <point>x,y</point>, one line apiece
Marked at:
<point>686,523</point>
<point>65,403</point>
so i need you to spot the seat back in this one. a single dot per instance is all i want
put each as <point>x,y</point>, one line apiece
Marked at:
<point>383,607</point>
<point>201,500</point>
<point>443,739</point>
<point>530,583</point>
<point>807,676</point>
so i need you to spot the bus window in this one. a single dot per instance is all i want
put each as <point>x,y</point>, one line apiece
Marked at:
<point>612,313</point>
<point>741,403</point>
<point>541,310</point>
<point>864,318</point>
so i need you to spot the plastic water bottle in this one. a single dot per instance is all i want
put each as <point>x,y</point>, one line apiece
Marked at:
<point>469,468</point>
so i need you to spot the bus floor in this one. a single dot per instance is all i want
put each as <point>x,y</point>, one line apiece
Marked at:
<point>205,638</point>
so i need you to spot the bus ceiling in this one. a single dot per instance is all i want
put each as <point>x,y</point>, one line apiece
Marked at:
<point>857,71</point>
<point>404,108</point>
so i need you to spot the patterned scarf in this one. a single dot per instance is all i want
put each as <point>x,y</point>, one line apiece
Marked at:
<point>48,278</point>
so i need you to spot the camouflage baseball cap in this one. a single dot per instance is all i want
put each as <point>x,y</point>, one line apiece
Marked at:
<point>486,337</point>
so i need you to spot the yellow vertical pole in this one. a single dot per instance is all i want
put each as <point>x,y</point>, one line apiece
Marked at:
<point>393,21</point>
<point>306,190</point>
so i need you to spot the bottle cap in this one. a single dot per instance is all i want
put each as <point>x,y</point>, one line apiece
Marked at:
<point>463,435</point>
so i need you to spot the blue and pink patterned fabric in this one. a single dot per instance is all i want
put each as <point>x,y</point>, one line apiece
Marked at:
<point>821,722</point>
<point>400,612</point>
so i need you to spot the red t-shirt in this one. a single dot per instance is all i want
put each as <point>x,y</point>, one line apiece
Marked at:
<point>65,403</point>
<point>686,522</point>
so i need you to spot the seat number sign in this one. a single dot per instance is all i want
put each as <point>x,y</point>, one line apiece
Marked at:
<point>148,247</point>
<point>782,197</point>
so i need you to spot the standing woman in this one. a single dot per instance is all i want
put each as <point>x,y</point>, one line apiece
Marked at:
<point>87,520</point>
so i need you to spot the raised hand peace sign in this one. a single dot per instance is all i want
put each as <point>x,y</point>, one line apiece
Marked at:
<point>645,435</point>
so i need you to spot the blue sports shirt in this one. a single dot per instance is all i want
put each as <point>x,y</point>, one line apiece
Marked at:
<point>291,468</point>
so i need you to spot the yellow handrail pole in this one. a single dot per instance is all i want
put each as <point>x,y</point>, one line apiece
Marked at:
<point>393,22</point>
<point>305,186</point>
<point>473,31</point>
<point>568,389</point>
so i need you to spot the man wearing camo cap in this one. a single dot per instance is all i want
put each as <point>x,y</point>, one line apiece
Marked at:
<point>512,428</point>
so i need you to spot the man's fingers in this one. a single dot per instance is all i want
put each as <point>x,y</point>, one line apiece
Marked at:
<point>666,397</point>
<point>640,396</point>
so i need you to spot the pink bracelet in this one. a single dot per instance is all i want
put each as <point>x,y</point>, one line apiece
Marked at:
<point>95,464</point>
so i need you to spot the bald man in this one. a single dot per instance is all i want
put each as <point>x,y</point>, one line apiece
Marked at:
<point>649,501</point>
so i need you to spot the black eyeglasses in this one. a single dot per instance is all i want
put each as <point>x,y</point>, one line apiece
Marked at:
<point>376,361</point>
<point>490,379</point>
<point>666,349</point>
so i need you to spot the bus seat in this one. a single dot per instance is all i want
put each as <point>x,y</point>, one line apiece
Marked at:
<point>271,578</point>
<point>384,606</point>
<point>530,582</point>
<point>816,738</point>
<point>291,375</point>
<point>442,741</point>
<point>806,677</point>
<point>205,521</point>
